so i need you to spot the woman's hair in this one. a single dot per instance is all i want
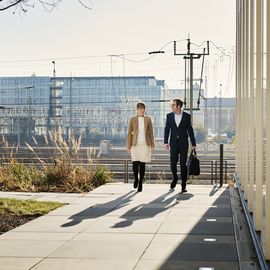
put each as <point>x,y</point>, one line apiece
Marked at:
<point>140,105</point>
<point>178,102</point>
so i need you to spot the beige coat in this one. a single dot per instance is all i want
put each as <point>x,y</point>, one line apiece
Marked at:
<point>133,131</point>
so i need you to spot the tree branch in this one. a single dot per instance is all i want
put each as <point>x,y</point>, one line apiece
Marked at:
<point>48,5</point>
<point>10,5</point>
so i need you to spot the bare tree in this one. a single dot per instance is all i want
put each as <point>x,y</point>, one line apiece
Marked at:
<point>24,5</point>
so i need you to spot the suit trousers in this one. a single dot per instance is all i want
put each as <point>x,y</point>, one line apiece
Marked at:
<point>175,152</point>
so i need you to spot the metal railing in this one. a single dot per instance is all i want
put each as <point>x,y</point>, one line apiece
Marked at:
<point>252,231</point>
<point>157,171</point>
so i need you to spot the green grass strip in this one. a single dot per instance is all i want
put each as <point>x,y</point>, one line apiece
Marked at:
<point>27,207</point>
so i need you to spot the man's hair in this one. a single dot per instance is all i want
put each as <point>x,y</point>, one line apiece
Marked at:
<point>179,102</point>
<point>140,105</point>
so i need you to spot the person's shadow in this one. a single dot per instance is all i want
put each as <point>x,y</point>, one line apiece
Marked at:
<point>99,210</point>
<point>144,211</point>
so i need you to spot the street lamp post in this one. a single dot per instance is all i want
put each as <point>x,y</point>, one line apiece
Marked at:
<point>29,88</point>
<point>54,73</point>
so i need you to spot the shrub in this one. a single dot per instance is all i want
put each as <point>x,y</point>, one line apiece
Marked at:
<point>66,174</point>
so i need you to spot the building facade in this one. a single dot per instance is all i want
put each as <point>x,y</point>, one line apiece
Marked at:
<point>96,107</point>
<point>214,115</point>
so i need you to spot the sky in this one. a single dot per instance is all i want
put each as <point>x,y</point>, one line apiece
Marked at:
<point>115,37</point>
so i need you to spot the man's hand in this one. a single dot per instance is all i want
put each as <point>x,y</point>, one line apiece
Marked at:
<point>166,146</point>
<point>193,147</point>
<point>128,149</point>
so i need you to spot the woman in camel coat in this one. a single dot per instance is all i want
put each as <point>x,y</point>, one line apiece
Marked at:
<point>140,142</point>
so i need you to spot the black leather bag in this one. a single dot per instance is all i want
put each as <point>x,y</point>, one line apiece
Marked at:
<point>193,164</point>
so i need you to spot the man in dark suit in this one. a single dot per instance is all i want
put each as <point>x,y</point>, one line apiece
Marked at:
<point>178,127</point>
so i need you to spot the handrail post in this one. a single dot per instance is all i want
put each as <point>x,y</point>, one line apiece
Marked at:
<point>226,171</point>
<point>216,171</point>
<point>212,171</point>
<point>221,165</point>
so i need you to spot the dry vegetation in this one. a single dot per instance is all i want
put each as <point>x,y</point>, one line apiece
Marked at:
<point>61,173</point>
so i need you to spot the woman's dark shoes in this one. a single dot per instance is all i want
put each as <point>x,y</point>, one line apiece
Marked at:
<point>183,189</point>
<point>140,187</point>
<point>173,184</point>
<point>135,184</point>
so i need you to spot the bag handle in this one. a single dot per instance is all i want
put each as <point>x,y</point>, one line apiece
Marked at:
<point>193,152</point>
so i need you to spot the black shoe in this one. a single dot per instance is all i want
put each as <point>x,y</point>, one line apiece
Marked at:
<point>183,191</point>
<point>173,184</point>
<point>135,184</point>
<point>140,188</point>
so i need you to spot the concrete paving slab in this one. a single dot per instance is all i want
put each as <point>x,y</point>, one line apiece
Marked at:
<point>140,210</point>
<point>190,249</point>
<point>28,248</point>
<point>201,211</point>
<point>204,205</point>
<point>184,265</point>
<point>128,225</point>
<point>204,199</point>
<point>183,219</point>
<point>55,224</point>
<point>20,235</point>
<point>155,229</point>
<point>42,196</point>
<point>85,264</point>
<point>101,245</point>
<point>18,263</point>
<point>19,195</point>
<point>201,228</point>
<point>69,210</point>
<point>110,237</point>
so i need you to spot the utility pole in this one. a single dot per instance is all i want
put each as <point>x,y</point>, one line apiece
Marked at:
<point>219,111</point>
<point>191,56</point>
<point>205,117</point>
<point>70,110</point>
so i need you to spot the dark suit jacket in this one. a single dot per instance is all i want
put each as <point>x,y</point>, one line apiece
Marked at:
<point>179,134</point>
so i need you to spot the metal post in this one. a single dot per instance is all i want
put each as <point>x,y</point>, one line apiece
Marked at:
<point>191,56</point>
<point>191,89</point>
<point>212,171</point>
<point>226,171</point>
<point>216,171</point>
<point>19,120</point>
<point>54,73</point>
<point>19,132</point>
<point>70,115</point>
<point>29,124</point>
<point>219,112</point>
<point>221,166</point>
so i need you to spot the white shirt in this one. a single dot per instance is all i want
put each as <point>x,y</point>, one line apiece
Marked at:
<point>141,133</point>
<point>178,117</point>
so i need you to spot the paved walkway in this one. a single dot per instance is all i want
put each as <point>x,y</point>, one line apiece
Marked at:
<point>114,227</point>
